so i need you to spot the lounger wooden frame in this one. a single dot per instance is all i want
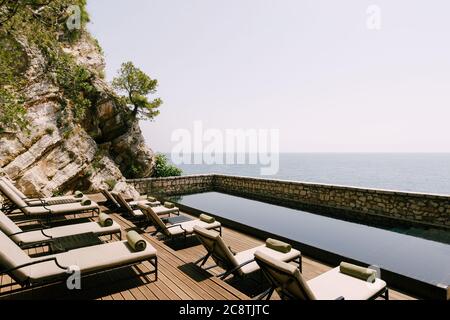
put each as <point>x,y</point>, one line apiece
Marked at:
<point>168,236</point>
<point>49,214</point>
<point>229,267</point>
<point>286,295</point>
<point>9,205</point>
<point>183,235</point>
<point>27,284</point>
<point>44,227</point>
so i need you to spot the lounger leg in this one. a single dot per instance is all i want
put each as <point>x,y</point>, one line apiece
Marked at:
<point>224,275</point>
<point>158,230</point>
<point>206,259</point>
<point>155,265</point>
<point>270,294</point>
<point>203,259</point>
<point>266,294</point>
<point>219,230</point>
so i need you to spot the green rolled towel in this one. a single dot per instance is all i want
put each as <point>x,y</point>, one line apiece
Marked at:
<point>362,273</point>
<point>151,199</point>
<point>136,241</point>
<point>105,220</point>
<point>278,245</point>
<point>79,194</point>
<point>86,202</point>
<point>169,205</point>
<point>206,218</point>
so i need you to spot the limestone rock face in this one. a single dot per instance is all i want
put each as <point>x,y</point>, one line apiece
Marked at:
<point>87,53</point>
<point>131,154</point>
<point>95,154</point>
<point>109,176</point>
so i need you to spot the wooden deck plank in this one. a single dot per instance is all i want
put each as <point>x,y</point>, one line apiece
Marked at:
<point>183,283</point>
<point>178,278</point>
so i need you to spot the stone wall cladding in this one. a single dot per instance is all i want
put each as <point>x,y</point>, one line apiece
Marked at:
<point>414,207</point>
<point>417,208</point>
<point>173,185</point>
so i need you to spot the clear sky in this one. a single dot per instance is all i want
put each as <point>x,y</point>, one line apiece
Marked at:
<point>310,68</point>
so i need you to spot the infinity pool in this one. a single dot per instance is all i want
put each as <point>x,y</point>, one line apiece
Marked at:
<point>415,257</point>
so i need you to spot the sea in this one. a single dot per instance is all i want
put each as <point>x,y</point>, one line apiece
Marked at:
<point>416,172</point>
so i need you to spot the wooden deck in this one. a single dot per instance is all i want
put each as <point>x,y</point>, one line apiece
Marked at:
<point>178,277</point>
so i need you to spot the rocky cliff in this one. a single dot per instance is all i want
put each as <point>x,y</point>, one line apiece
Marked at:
<point>57,154</point>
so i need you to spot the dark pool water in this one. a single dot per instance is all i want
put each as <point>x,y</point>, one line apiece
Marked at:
<point>416,257</point>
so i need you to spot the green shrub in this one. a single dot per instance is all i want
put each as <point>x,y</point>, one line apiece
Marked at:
<point>57,193</point>
<point>111,183</point>
<point>76,81</point>
<point>40,24</point>
<point>49,130</point>
<point>164,169</point>
<point>132,170</point>
<point>67,133</point>
<point>88,173</point>
<point>12,111</point>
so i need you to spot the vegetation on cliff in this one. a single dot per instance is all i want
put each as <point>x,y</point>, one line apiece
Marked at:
<point>51,26</point>
<point>163,168</point>
<point>137,86</point>
<point>42,25</point>
<point>62,126</point>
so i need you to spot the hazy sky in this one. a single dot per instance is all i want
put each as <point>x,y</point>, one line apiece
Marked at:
<point>310,68</point>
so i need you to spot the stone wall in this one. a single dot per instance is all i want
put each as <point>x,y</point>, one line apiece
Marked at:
<point>362,204</point>
<point>173,185</point>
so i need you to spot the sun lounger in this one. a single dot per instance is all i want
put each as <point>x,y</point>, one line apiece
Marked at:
<point>289,283</point>
<point>49,211</point>
<point>112,202</point>
<point>183,229</point>
<point>42,235</point>
<point>6,183</point>
<point>135,212</point>
<point>30,272</point>
<point>240,263</point>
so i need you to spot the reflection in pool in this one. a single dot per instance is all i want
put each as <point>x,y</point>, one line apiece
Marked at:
<point>415,257</point>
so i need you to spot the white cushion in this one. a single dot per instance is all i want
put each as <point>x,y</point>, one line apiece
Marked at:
<point>13,188</point>
<point>12,195</point>
<point>249,254</point>
<point>333,284</point>
<point>51,200</point>
<point>137,213</point>
<point>7,225</point>
<point>189,226</point>
<point>63,231</point>
<point>12,256</point>
<point>144,202</point>
<point>66,208</point>
<point>94,258</point>
<point>161,210</point>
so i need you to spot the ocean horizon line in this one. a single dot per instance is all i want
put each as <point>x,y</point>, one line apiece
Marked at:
<point>321,152</point>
